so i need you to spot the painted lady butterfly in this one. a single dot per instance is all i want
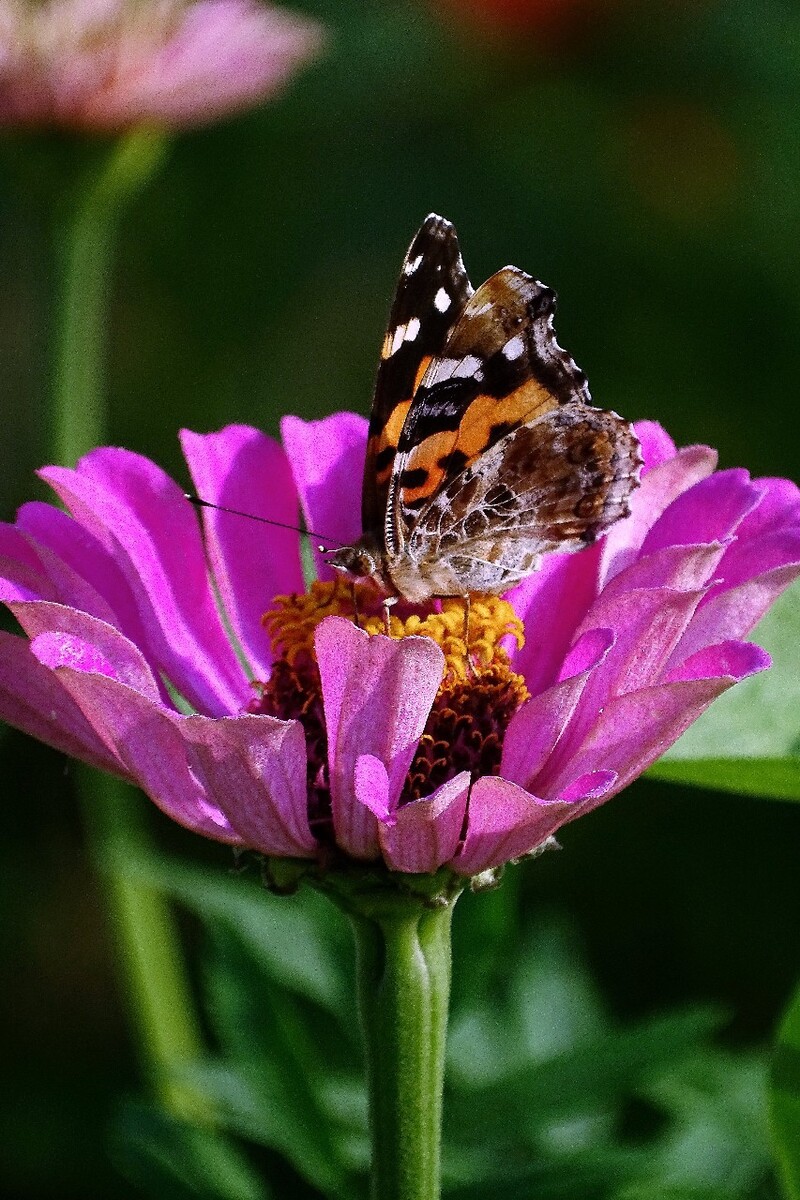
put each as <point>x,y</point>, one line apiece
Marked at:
<point>484,449</point>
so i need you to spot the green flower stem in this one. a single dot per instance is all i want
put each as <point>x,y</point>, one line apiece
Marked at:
<point>157,991</point>
<point>85,244</point>
<point>403,973</point>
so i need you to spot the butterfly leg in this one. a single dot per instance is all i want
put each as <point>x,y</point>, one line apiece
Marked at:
<point>356,617</point>
<point>387,604</point>
<point>467,606</point>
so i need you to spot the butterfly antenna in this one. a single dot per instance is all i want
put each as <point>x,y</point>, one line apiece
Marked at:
<point>198,502</point>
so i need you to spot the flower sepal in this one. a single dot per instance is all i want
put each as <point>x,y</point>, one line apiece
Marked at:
<point>372,892</point>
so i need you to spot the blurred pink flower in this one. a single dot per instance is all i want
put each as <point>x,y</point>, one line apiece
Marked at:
<point>353,745</point>
<point>109,65</point>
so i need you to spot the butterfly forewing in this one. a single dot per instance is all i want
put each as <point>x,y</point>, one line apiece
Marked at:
<point>500,368</point>
<point>431,293</point>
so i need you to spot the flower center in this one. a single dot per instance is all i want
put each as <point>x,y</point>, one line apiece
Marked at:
<point>478,696</point>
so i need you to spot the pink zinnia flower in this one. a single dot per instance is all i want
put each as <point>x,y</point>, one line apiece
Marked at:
<point>109,65</point>
<point>143,641</point>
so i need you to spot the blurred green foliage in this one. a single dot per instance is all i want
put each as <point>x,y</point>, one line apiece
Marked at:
<point>649,170</point>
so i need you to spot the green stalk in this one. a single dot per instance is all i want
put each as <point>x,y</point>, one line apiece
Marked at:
<point>150,958</point>
<point>403,977</point>
<point>85,250</point>
<point>157,992</point>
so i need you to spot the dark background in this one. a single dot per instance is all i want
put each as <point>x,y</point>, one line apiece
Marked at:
<point>641,158</point>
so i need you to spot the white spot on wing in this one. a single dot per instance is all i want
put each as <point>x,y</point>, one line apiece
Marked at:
<point>441,301</point>
<point>514,348</point>
<point>468,367</point>
<point>411,329</point>
<point>412,265</point>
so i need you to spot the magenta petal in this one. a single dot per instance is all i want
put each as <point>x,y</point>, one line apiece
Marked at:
<point>327,459</point>
<point>633,731</point>
<point>648,624</point>
<point>65,637</point>
<point>243,469</point>
<point>72,548</point>
<point>254,768</point>
<point>141,517</point>
<point>33,700</point>
<point>377,695</point>
<point>657,446</point>
<point>424,834</point>
<point>146,739</point>
<point>747,559</point>
<point>734,659</point>
<point>778,509</point>
<point>535,729</point>
<point>22,574</point>
<point>658,489</point>
<point>504,822</point>
<point>685,568</point>
<point>730,615</point>
<point>19,581</point>
<point>371,784</point>
<point>710,511</point>
<point>551,604</point>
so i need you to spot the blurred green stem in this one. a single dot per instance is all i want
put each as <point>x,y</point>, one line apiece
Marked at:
<point>151,965</point>
<point>150,958</point>
<point>403,972</point>
<point>85,243</point>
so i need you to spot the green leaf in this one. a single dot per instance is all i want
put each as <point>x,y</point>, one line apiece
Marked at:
<point>167,1158</point>
<point>300,941</point>
<point>749,739</point>
<point>784,1103</point>
<point>273,1083</point>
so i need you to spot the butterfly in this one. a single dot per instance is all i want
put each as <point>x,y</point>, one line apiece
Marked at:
<point>484,449</point>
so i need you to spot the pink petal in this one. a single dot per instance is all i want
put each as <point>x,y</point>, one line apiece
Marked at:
<point>327,459</point>
<point>19,581</point>
<point>685,568</point>
<point>552,604</point>
<point>243,469</point>
<point>254,768</point>
<point>82,572</point>
<point>504,821</point>
<point>33,700</point>
<point>730,615</point>
<point>647,626</point>
<point>377,695</point>
<point>425,833</point>
<point>734,659</point>
<point>657,446</point>
<point>778,509</point>
<point>535,729</point>
<point>62,636</point>
<point>371,785</point>
<point>710,511</point>
<point>659,488</point>
<point>635,729</point>
<point>141,517</point>
<point>146,739</point>
<point>747,559</point>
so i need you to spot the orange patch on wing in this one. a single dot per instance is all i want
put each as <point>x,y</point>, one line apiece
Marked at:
<point>426,457</point>
<point>474,435</point>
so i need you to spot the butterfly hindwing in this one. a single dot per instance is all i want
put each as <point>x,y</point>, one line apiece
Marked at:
<point>431,293</point>
<point>501,368</point>
<point>554,484</point>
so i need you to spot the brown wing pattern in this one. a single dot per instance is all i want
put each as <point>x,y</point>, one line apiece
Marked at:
<point>501,368</point>
<point>431,293</point>
<point>555,484</point>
